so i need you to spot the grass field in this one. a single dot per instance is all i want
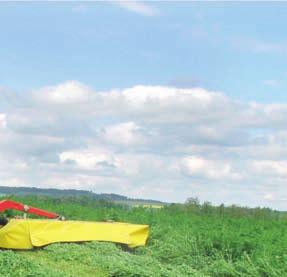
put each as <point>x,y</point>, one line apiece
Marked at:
<point>185,240</point>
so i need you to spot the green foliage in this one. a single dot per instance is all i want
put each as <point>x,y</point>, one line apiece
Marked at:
<point>186,240</point>
<point>13,264</point>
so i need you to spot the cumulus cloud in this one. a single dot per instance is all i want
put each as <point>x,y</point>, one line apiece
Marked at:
<point>3,120</point>
<point>68,93</point>
<point>269,167</point>
<point>269,196</point>
<point>127,133</point>
<point>90,160</point>
<point>198,166</point>
<point>157,142</point>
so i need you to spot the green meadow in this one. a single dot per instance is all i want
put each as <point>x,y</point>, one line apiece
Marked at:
<point>189,239</point>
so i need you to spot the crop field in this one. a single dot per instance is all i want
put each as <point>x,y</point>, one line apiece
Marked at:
<point>185,240</point>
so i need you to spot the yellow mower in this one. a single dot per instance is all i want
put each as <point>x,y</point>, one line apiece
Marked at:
<point>19,233</point>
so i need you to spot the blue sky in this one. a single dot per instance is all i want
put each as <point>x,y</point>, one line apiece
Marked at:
<point>107,46</point>
<point>160,100</point>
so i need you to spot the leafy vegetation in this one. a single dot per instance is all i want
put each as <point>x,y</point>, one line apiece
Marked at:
<point>185,240</point>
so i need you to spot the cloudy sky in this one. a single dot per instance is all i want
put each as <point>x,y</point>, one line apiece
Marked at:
<point>147,99</point>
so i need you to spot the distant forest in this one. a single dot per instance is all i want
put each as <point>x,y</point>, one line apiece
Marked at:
<point>57,193</point>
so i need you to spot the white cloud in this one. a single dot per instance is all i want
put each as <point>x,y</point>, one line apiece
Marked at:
<point>269,167</point>
<point>127,133</point>
<point>89,159</point>
<point>139,7</point>
<point>107,162</point>
<point>198,166</point>
<point>269,196</point>
<point>3,120</point>
<point>66,93</point>
<point>146,141</point>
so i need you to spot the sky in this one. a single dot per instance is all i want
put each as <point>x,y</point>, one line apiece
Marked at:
<point>155,100</point>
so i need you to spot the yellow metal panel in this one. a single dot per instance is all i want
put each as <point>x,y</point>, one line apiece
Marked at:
<point>15,235</point>
<point>27,233</point>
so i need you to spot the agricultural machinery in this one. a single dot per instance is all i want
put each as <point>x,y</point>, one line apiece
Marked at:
<point>27,233</point>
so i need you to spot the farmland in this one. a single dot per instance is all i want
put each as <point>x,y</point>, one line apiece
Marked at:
<point>186,240</point>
